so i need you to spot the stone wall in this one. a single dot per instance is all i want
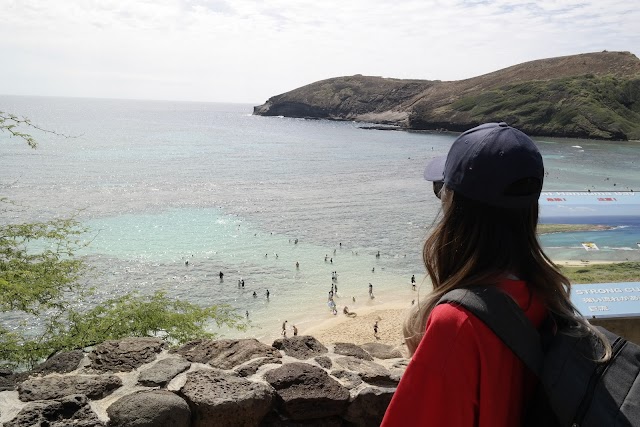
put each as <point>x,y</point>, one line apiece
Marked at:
<point>140,382</point>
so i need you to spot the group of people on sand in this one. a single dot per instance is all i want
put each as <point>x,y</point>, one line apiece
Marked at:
<point>284,329</point>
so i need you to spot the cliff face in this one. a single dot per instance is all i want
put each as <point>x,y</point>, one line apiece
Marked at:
<point>593,95</point>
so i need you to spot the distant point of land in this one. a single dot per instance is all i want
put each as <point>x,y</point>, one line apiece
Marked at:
<point>568,228</point>
<point>591,95</point>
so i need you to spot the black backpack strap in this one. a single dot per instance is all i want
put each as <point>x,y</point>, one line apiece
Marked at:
<point>505,318</point>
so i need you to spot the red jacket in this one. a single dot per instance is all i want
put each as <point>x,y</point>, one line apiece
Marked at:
<point>462,375</point>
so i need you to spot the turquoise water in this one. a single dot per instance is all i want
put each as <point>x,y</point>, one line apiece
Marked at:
<point>162,183</point>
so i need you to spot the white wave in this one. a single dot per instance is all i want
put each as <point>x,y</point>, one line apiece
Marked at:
<point>576,146</point>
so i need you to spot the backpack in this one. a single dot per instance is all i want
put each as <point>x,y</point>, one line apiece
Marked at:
<point>574,389</point>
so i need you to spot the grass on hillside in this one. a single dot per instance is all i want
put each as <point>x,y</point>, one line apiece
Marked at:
<point>603,273</point>
<point>598,106</point>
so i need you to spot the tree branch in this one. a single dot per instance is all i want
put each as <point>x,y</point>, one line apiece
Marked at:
<point>11,123</point>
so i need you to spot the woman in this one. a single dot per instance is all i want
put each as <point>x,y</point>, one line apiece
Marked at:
<point>461,374</point>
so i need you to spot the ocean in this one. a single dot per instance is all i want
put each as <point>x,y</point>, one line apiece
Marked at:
<point>160,183</point>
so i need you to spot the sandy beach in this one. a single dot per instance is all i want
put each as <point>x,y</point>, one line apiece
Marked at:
<point>390,317</point>
<point>359,329</point>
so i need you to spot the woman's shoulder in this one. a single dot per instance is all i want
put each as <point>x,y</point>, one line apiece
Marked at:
<point>451,336</point>
<point>449,318</point>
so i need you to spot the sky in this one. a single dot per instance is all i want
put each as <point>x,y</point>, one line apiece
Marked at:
<point>246,51</point>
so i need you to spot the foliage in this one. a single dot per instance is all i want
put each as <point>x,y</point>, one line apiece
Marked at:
<point>604,106</point>
<point>13,125</point>
<point>603,273</point>
<point>41,278</point>
<point>131,315</point>
<point>37,264</point>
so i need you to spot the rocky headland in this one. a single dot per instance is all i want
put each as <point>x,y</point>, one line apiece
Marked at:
<point>141,382</point>
<point>591,95</point>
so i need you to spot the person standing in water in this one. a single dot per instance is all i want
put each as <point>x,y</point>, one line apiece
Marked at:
<point>284,329</point>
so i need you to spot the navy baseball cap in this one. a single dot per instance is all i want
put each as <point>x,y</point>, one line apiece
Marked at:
<point>493,163</point>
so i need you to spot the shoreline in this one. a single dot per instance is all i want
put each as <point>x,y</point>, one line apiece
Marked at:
<point>390,315</point>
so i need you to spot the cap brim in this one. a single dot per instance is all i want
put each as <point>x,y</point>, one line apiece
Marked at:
<point>435,169</point>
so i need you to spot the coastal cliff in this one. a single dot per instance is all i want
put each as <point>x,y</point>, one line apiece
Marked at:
<point>591,95</point>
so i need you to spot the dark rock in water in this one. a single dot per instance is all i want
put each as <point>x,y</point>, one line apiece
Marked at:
<point>217,398</point>
<point>306,392</point>
<point>324,361</point>
<point>349,349</point>
<point>301,347</point>
<point>156,408</point>
<point>225,354</point>
<point>72,410</point>
<point>368,407</point>
<point>381,127</point>
<point>126,354</point>
<point>163,371</point>
<point>370,372</point>
<point>381,351</point>
<point>252,366</point>
<point>57,387</point>
<point>61,363</point>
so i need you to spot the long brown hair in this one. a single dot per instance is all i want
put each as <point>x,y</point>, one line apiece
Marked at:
<point>477,244</point>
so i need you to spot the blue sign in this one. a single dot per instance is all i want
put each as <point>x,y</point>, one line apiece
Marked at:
<point>602,300</point>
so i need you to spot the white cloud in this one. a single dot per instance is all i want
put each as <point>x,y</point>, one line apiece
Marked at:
<point>246,51</point>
